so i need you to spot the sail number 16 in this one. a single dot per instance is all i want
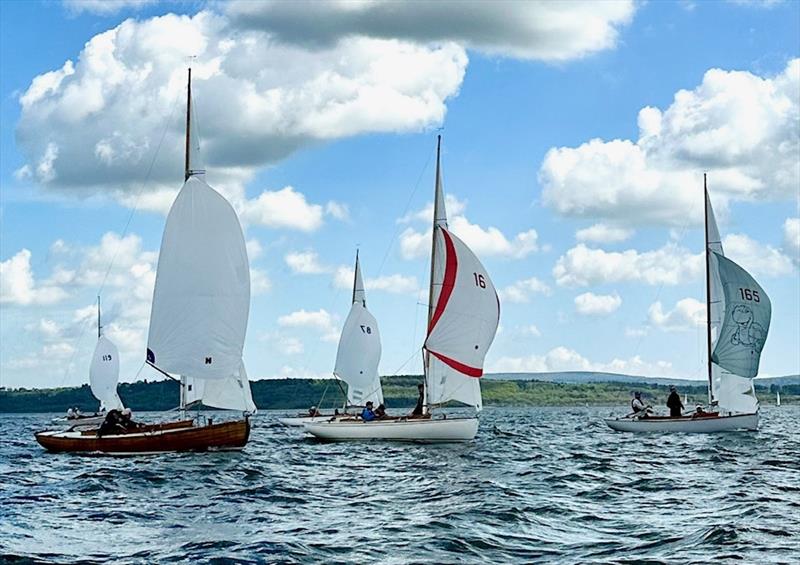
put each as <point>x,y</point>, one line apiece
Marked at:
<point>479,280</point>
<point>748,294</point>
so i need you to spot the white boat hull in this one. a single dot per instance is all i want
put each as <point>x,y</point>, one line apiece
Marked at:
<point>429,430</point>
<point>300,421</point>
<point>685,425</point>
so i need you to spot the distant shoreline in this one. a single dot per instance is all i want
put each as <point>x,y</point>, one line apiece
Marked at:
<point>399,391</point>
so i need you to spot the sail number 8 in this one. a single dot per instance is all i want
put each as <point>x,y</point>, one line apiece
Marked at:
<point>366,329</point>
<point>479,280</point>
<point>748,294</point>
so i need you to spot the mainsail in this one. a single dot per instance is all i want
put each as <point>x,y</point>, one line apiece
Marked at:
<point>463,316</point>
<point>359,351</point>
<point>201,299</point>
<point>104,374</point>
<point>739,319</point>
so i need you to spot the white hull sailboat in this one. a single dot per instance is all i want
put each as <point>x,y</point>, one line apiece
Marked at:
<point>463,315</point>
<point>738,313</point>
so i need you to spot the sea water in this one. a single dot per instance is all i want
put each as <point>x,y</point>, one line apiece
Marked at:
<point>538,485</point>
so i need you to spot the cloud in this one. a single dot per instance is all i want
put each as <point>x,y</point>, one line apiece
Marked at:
<point>260,282</point>
<point>95,124</point>
<point>548,31</point>
<point>669,265</point>
<point>254,249</point>
<point>285,208</point>
<point>394,284</point>
<point>565,359</point>
<point>602,233</point>
<point>18,286</point>
<point>320,320</point>
<point>740,127</point>
<point>590,304</point>
<point>104,7</point>
<point>688,314</point>
<point>791,239</point>
<point>521,291</point>
<point>338,211</point>
<point>306,263</point>
<point>483,241</point>
<point>756,258</point>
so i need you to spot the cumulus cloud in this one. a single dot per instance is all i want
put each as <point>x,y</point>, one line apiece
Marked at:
<point>548,31</point>
<point>755,257</point>
<point>306,263</point>
<point>670,265</point>
<point>94,124</point>
<point>395,284</point>
<point>565,359</point>
<point>19,287</point>
<point>483,241</point>
<point>285,208</point>
<point>590,304</point>
<point>602,233</point>
<point>740,127</point>
<point>521,291</point>
<point>319,320</point>
<point>687,314</point>
<point>791,238</point>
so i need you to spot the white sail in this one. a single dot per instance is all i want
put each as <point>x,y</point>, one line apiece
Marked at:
<point>233,393</point>
<point>464,322</point>
<point>359,351</point>
<point>104,374</point>
<point>740,317</point>
<point>201,299</point>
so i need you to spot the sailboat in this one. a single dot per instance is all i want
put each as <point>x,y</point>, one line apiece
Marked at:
<point>738,314</point>
<point>357,356</point>
<point>103,378</point>
<point>777,398</point>
<point>463,315</point>
<point>198,323</point>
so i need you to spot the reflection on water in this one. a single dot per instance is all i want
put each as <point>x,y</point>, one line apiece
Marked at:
<point>537,485</point>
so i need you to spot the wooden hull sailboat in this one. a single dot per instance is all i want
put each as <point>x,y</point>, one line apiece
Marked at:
<point>738,314</point>
<point>706,424</point>
<point>182,435</point>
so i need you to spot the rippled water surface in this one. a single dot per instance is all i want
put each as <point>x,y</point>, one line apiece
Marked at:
<point>537,485</point>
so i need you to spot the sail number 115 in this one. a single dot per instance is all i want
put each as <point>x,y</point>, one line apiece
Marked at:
<point>748,294</point>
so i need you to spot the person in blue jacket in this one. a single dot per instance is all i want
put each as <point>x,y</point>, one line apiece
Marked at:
<point>368,414</point>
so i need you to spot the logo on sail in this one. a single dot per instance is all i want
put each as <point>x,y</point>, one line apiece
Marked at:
<point>748,333</point>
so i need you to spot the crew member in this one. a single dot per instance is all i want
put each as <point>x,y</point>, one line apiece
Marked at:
<point>674,403</point>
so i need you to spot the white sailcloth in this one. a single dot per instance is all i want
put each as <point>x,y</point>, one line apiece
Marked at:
<point>233,393</point>
<point>740,318</point>
<point>359,351</point>
<point>104,374</point>
<point>201,300</point>
<point>463,324</point>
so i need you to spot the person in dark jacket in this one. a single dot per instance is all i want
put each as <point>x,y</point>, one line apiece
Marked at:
<point>417,412</point>
<point>674,403</point>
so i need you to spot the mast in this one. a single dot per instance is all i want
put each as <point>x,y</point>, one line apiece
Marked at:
<point>99,327</point>
<point>436,197</point>
<point>187,171</point>
<point>708,291</point>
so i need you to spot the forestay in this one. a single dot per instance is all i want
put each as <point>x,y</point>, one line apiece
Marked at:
<point>201,299</point>
<point>359,351</point>
<point>104,374</point>
<point>463,323</point>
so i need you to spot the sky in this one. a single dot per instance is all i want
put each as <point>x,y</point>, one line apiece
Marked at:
<point>575,138</point>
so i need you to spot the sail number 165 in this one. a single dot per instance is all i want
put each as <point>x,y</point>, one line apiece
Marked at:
<point>748,294</point>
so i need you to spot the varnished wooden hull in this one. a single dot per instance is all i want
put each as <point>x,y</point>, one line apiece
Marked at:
<point>162,438</point>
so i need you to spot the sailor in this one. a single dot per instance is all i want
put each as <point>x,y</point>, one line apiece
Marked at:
<point>417,412</point>
<point>70,413</point>
<point>367,414</point>
<point>112,424</point>
<point>637,406</point>
<point>313,412</point>
<point>380,412</point>
<point>674,403</point>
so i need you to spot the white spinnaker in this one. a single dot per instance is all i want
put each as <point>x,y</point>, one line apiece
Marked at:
<point>463,324</point>
<point>358,356</point>
<point>104,374</point>
<point>201,299</point>
<point>233,393</point>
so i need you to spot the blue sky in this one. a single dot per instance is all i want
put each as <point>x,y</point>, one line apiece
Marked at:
<point>573,161</point>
